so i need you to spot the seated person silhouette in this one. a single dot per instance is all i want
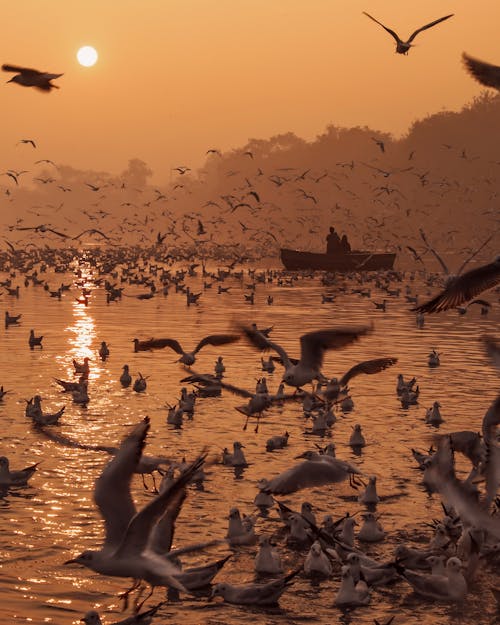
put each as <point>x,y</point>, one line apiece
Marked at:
<point>332,242</point>
<point>345,246</point>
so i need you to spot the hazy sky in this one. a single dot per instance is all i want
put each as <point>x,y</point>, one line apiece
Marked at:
<point>176,77</point>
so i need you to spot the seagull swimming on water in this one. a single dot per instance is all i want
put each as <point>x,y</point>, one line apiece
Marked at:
<point>27,77</point>
<point>402,47</point>
<point>142,618</point>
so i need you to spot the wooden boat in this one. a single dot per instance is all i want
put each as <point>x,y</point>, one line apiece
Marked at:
<point>353,261</point>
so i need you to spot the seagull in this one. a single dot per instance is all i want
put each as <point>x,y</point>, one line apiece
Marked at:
<point>125,550</point>
<point>449,587</point>
<point>316,470</point>
<point>312,348</point>
<point>91,231</point>
<point>254,594</point>
<point>31,77</point>
<point>368,367</point>
<point>14,478</point>
<point>460,289</point>
<point>28,141</point>
<point>189,358</point>
<point>43,228</point>
<point>402,47</point>
<point>485,73</point>
<point>142,618</point>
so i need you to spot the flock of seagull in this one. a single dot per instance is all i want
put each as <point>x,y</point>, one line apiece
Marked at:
<point>138,543</point>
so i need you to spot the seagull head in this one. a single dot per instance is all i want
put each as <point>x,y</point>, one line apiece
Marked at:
<point>85,559</point>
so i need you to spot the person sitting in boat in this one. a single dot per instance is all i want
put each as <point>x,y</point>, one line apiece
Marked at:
<point>345,246</point>
<point>332,242</point>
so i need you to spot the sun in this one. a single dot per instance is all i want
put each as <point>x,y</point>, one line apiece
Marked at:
<point>87,56</point>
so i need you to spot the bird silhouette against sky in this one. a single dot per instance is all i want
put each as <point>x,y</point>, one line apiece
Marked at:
<point>402,47</point>
<point>27,77</point>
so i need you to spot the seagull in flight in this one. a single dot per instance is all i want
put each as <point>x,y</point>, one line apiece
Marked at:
<point>92,231</point>
<point>461,289</point>
<point>44,228</point>
<point>485,73</point>
<point>27,141</point>
<point>402,47</point>
<point>189,358</point>
<point>312,349</point>
<point>27,77</point>
<point>125,550</point>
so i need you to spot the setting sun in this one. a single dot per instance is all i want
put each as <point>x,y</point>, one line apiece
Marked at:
<point>87,56</point>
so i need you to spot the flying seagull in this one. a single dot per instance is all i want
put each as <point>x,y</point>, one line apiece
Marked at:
<point>312,349</point>
<point>402,47</point>
<point>460,289</point>
<point>30,141</point>
<point>27,77</point>
<point>189,358</point>
<point>485,73</point>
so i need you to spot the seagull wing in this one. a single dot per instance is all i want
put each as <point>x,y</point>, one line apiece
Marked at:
<point>94,231</point>
<point>162,535</point>
<point>20,70</point>
<point>216,339</point>
<point>391,32</point>
<point>261,342</point>
<point>485,73</point>
<point>419,30</point>
<point>210,379</point>
<point>69,442</point>
<point>173,344</point>
<point>60,234</point>
<point>136,537</point>
<point>368,367</point>
<point>464,288</point>
<point>112,489</point>
<point>314,344</point>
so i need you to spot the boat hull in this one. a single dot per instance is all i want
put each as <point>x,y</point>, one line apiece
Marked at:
<point>354,261</point>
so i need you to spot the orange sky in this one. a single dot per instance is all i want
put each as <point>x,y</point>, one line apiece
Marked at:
<point>176,77</point>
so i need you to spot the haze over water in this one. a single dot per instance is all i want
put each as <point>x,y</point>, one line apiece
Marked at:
<point>55,517</point>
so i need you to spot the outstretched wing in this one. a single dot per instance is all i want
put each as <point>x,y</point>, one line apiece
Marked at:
<point>314,344</point>
<point>172,343</point>
<point>369,367</point>
<point>162,535</point>
<point>391,32</point>
<point>112,489</point>
<point>20,70</point>
<point>464,288</point>
<point>136,537</point>
<point>485,73</point>
<point>216,339</point>
<point>419,30</point>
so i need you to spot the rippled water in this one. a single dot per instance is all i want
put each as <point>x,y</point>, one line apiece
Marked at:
<point>55,518</point>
